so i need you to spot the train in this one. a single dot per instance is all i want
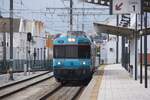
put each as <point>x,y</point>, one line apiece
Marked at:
<point>74,57</point>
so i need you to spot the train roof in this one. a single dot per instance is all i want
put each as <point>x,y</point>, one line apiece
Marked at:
<point>72,39</point>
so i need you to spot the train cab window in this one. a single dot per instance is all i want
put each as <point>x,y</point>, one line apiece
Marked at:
<point>72,51</point>
<point>59,51</point>
<point>84,51</point>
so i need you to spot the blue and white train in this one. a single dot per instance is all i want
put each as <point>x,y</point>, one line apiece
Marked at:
<point>73,57</point>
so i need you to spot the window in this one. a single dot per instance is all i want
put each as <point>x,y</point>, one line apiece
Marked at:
<point>59,52</point>
<point>84,51</point>
<point>111,49</point>
<point>72,51</point>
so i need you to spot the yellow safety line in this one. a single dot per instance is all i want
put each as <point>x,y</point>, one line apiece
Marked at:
<point>95,90</point>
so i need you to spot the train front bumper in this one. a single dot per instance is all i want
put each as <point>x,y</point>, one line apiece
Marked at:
<point>72,74</point>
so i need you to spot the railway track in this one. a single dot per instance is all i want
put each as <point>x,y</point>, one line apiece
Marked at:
<point>40,87</point>
<point>63,93</point>
<point>11,89</point>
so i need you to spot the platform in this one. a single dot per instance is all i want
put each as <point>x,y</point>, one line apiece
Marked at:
<point>4,78</point>
<point>115,83</point>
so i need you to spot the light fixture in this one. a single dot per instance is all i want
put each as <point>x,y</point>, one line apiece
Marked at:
<point>59,63</point>
<point>71,39</point>
<point>141,32</point>
<point>84,63</point>
<point>126,45</point>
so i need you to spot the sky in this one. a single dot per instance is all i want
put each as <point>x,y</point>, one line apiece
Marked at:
<point>35,10</point>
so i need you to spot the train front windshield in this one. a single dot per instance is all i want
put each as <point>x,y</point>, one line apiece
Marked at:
<point>72,51</point>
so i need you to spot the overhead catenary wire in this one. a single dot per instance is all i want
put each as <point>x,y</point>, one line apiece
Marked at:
<point>45,14</point>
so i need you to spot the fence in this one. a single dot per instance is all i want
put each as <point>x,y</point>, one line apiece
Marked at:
<point>18,65</point>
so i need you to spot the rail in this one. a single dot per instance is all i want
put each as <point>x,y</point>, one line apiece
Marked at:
<point>13,88</point>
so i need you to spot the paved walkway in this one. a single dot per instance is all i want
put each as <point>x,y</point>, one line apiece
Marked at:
<point>116,84</point>
<point>4,78</point>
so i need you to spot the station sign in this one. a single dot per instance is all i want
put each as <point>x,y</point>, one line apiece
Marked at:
<point>126,6</point>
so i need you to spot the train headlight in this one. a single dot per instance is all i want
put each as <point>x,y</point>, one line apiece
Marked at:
<point>84,63</point>
<point>71,39</point>
<point>59,63</point>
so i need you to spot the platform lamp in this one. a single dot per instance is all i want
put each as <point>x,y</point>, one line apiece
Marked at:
<point>141,55</point>
<point>141,32</point>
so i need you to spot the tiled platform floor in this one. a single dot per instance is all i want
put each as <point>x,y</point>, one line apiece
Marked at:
<point>118,85</point>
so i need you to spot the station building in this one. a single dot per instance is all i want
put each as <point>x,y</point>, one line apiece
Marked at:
<point>20,44</point>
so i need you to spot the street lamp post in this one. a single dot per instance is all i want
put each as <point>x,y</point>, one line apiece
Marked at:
<point>145,50</point>
<point>135,34</point>
<point>141,53</point>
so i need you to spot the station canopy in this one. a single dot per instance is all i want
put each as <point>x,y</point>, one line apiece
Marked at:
<point>118,30</point>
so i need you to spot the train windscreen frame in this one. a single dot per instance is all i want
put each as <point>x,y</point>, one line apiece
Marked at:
<point>72,51</point>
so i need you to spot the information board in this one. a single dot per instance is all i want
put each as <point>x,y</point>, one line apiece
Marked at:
<point>126,6</point>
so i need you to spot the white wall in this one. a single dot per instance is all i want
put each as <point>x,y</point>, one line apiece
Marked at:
<point>20,43</point>
<point>111,56</point>
<point>103,53</point>
<point>108,51</point>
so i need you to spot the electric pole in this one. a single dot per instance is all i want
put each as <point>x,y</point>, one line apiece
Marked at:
<point>117,42</point>
<point>0,12</point>
<point>71,16</point>
<point>83,18</point>
<point>11,41</point>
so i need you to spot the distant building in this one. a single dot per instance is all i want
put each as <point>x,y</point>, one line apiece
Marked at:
<point>20,43</point>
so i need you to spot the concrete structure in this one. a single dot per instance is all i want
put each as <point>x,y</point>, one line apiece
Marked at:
<point>21,45</point>
<point>115,83</point>
<point>108,47</point>
<point>118,85</point>
<point>128,32</point>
